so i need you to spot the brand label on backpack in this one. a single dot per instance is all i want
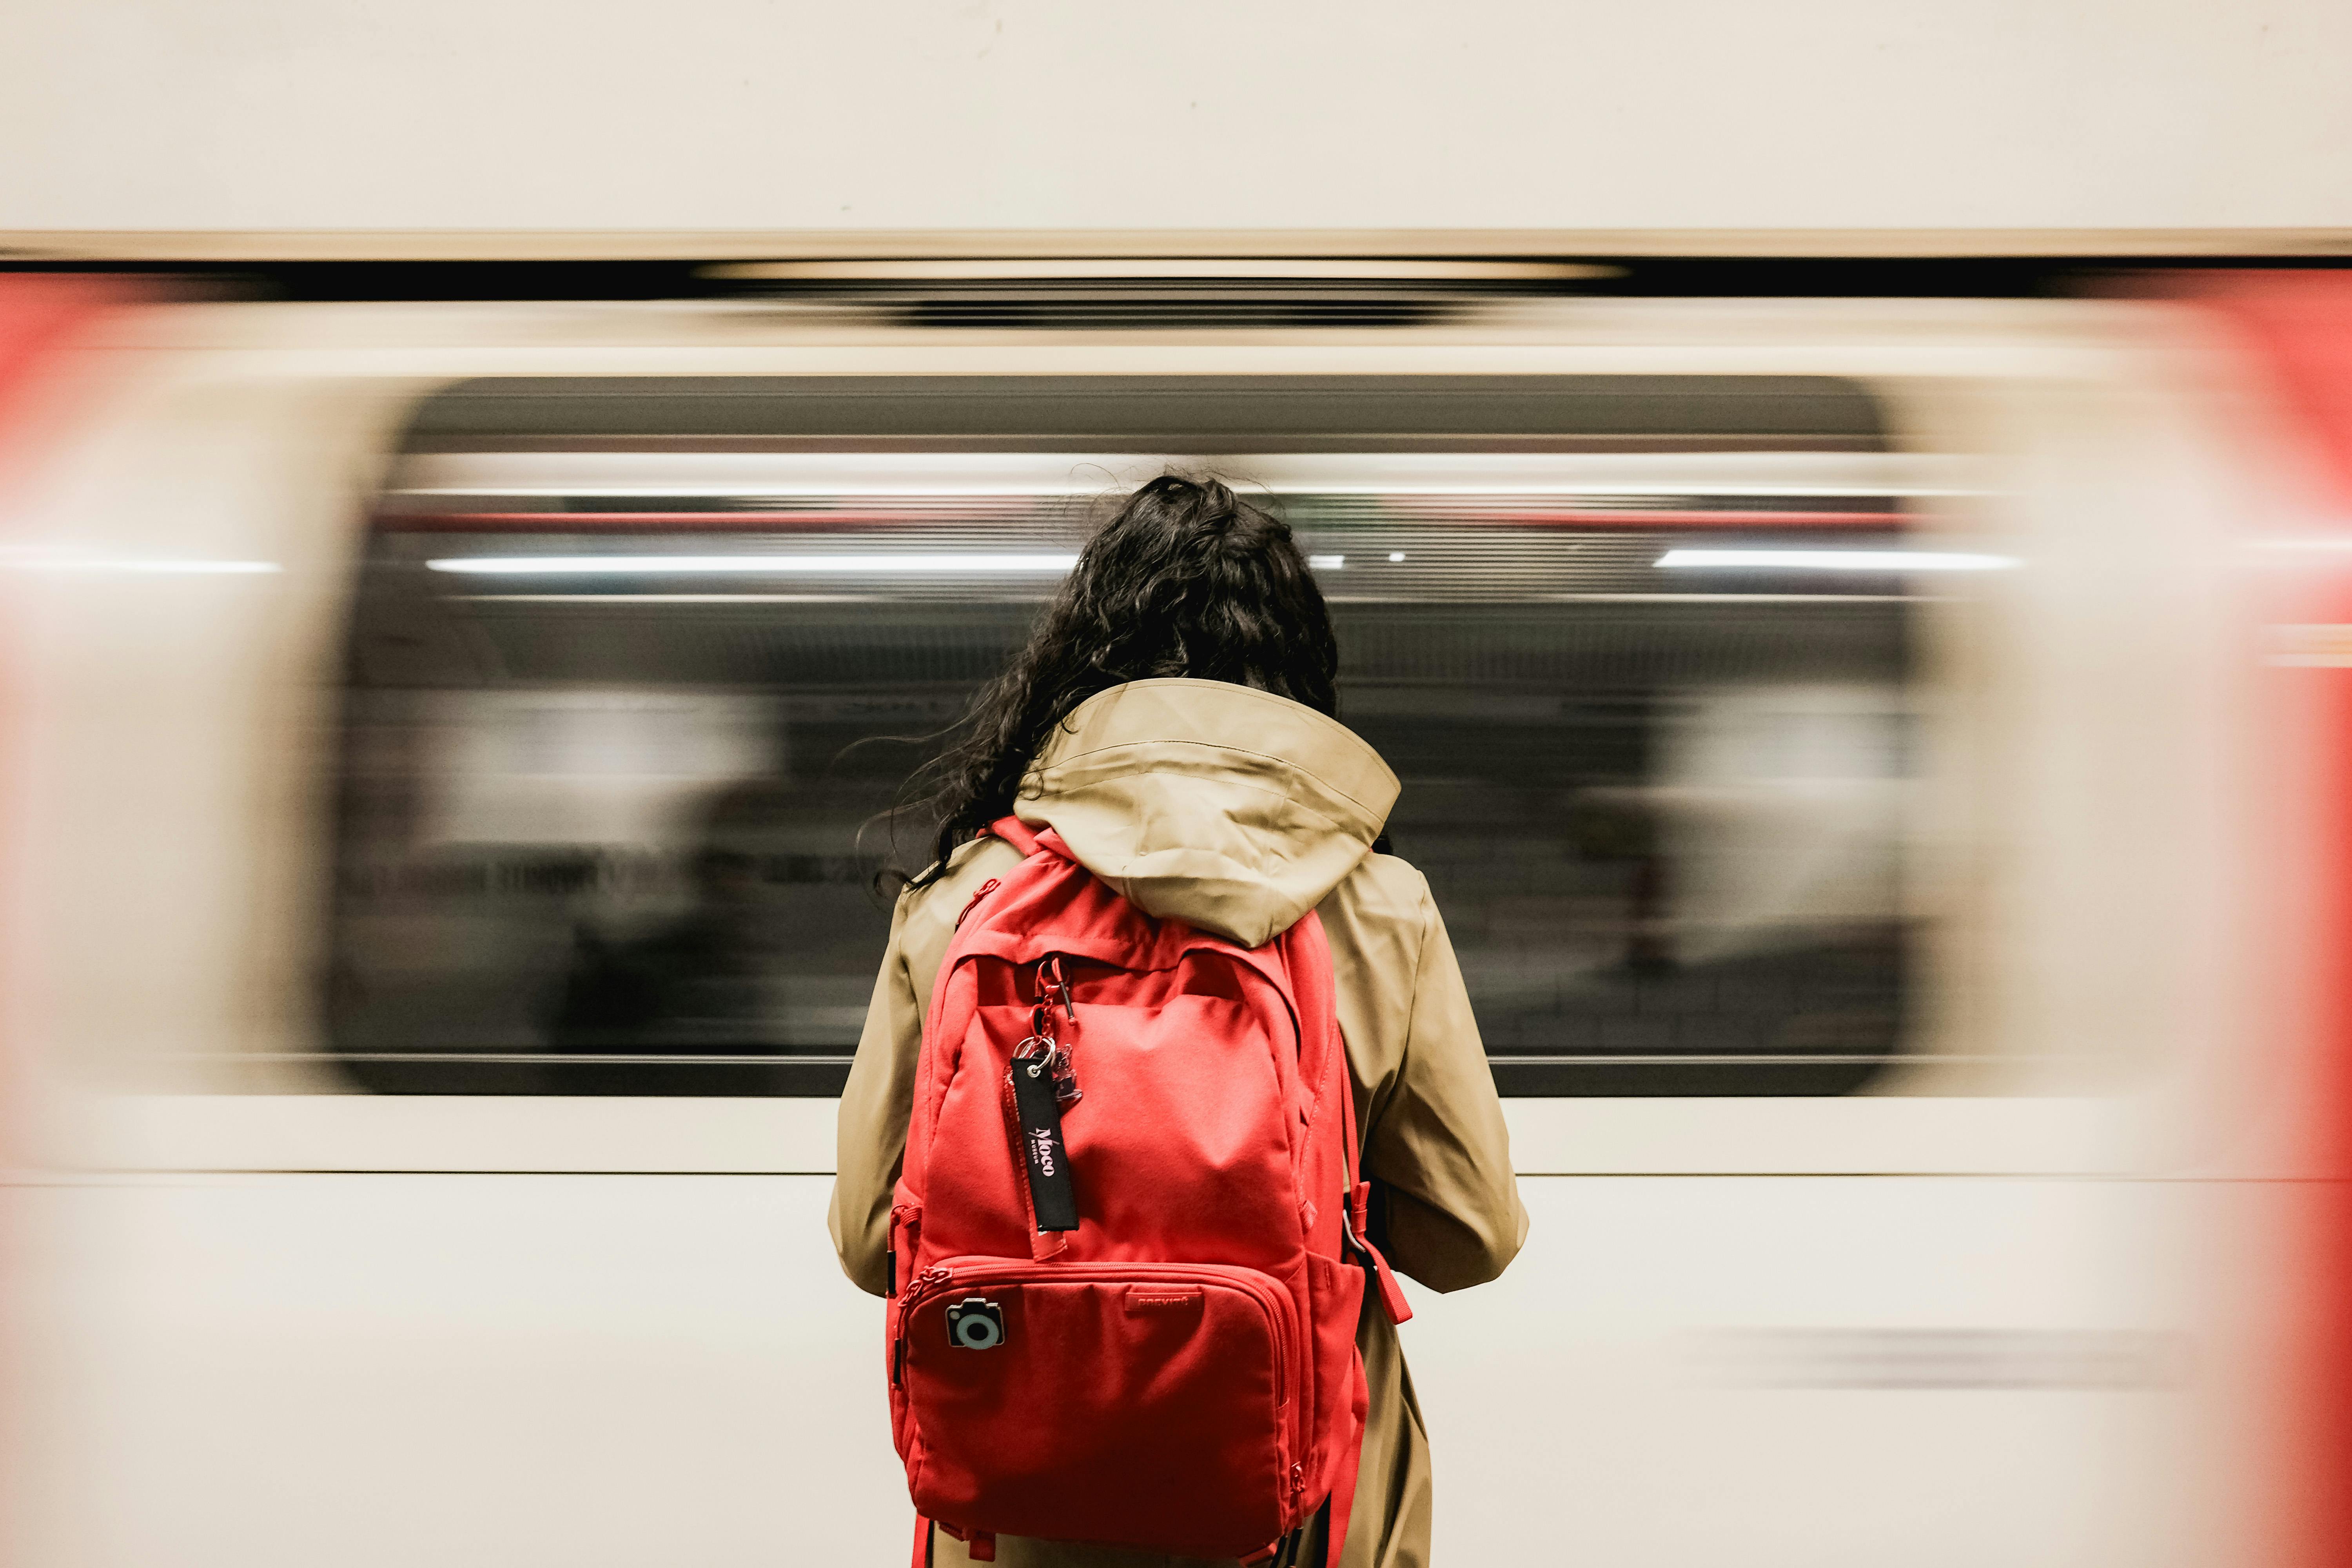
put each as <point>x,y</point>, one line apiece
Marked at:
<point>1051,1192</point>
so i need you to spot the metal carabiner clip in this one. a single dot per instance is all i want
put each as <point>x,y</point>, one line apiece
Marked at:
<point>1054,986</point>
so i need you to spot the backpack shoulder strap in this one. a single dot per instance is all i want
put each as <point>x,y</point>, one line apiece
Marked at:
<point>1015,832</point>
<point>1359,1209</point>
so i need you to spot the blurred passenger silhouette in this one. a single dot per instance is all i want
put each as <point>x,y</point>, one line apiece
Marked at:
<point>699,981</point>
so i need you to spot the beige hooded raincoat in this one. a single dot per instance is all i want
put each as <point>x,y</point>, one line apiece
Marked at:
<point>1239,810</point>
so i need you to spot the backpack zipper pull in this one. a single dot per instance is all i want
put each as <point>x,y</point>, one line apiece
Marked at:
<point>985,888</point>
<point>1055,986</point>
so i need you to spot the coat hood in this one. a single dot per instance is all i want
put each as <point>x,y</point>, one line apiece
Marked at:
<point>1229,808</point>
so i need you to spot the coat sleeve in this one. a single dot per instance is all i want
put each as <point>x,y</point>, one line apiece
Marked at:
<point>1438,1146</point>
<point>871,1136</point>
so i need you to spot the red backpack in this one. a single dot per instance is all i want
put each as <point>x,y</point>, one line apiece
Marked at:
<point>1126,1243</point>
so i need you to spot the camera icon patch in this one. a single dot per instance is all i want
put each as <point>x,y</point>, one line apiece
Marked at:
<point>975,1324</point>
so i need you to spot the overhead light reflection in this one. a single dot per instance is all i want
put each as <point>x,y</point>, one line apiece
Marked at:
<point>755,565</point>
<point>1010,563</point>
<point>28,561</point>
<point>1836,560</point>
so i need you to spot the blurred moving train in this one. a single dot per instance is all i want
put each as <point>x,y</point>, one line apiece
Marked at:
<point>1883,762</point>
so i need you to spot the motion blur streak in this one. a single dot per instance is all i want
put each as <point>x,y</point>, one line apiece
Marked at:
<point>2299,329</point>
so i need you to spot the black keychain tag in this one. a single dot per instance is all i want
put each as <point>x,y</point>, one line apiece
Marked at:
<point>1040,1111</point>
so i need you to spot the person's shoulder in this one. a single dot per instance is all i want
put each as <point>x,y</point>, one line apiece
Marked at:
<point>1387,888</point>
<point>972,863</point>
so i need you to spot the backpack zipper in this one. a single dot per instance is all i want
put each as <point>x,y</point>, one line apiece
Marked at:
<point>919,1289</point>
<point>1270,1299</point>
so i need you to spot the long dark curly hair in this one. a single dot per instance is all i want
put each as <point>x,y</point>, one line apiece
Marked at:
<point>1185,579</point>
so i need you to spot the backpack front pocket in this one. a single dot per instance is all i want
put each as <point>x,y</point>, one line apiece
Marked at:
<point>1138,1405</point>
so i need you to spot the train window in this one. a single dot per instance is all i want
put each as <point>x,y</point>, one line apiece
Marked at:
<point>636,668</point>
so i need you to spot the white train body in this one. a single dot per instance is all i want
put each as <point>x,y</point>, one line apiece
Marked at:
<point>2010,1300</point>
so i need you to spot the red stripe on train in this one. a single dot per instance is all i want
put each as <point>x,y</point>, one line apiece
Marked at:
<point>2296,328</point>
